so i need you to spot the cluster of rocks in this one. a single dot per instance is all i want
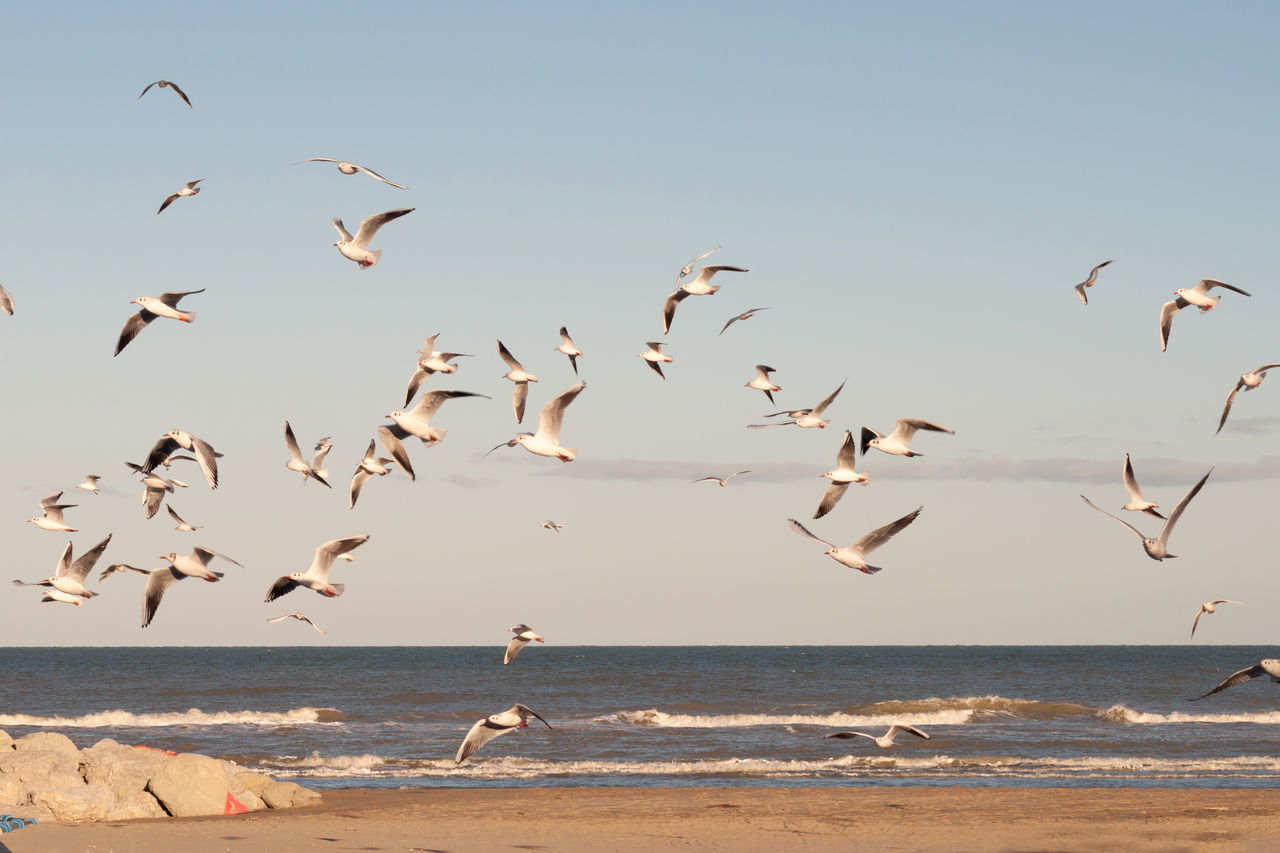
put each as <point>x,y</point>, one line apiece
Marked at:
<point>43,775</point>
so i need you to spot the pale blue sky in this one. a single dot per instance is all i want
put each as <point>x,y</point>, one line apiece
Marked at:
<point>915,189</point>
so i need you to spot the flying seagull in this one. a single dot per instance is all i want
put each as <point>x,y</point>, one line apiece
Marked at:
<point>317,574</point>
<point>431,361</point>
<point>417,422</point>
<point>297,463</point>
<point>164,305</point>
<point>569,348</point>
<point>90,483</point>
<point>546,441</point>
<point>520,377</point>
<point>700,286</point>
<point>548,524</point>
<point>804,418</point>
<point>524,635</point>
<point>687,269</point>
<point>69,577</point>
<point>356,248</point>
<point>485,730</point>
<point>52,517</point>
<point>842,476</point>
<point>299,616</point>
<point>885,741</point>
<point>206,456</point>
<point>167,84</point>
<point>654,355</point>
<point>1158,548</point>
<point>1209,607</point>
<point>762,382</point>
<point>1137,503</point>
<point>350,169</point>
<point>854,556</point>
<point>897,443</point>
<point>1197,296</point>
<point>188,190</point>
<point>1270,667</point>
<point>193,565</point>
<point>1248,381</point>
<point>745,315</point>
<point>1088,282</point>
<point>723,481</point>
<point>370,465</point>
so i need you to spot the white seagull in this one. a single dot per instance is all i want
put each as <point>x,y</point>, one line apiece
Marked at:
<point>524,635</point>
<point>167,84</point>
<point>322,448</point>
<point>297,463</point>
<point>1158,548</point>
<point>1137,503</point>
<point>546,441</point>
<point>804,418</point>
<point>299,616</point>
<point>417,422</point>
<point>553,526</point>
<point>1088,282</point>
<point>569,348</point>
<point>189,190</point>
<point>164,305</point>
<point>6,301</point>
<point>520,377</point>
<point>723,481</point>
<point>1270,667</point>
<point>762,381</point>
<point>182,525</point>
<point>90,483</point>
<point>52,518</point>
<point>653,355</point>
<point>885,741</point>
<point>1209,607</point>
<point>1197,296</point>
<point>745,315</point>
<point>350,169</point>
<point>206,456</point>
<point>897,442</point>
<point>431,361</point>
<point>700,286</point>
<point>1248,381</point>
<point>154,488</point>
<point>370,465</point>
<point>841,476</point>
<point>357,248</point>
<point>317,574</point>
<point>193,565</point>
<point>854,556</point>
<point>687,269</point>
<point>485,730</point>
<point>69,577</point>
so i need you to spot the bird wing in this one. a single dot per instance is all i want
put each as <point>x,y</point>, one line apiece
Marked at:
<point>881,535</point>
<point>867,434</point>
<point>148,89</point>
<point>508,357</point>
<point>1131,482</point>
<point>830,498</point>
<point>669,308</point>
<point>157,582</point>
<point>705,274</point>
<point>317,160</point>
<point>481,733</point>
<point>357,483</point>
<point>180,93</point>
<point>168,201</point>
<point>428,404</point>
<point>847,456</point>
<point>295,452</point>
<point>328,552</point>
<point>415,382</point>
<point>342,230</point>
<point>1237,678</point>
<point>1166,319</point>
<point>174,515</point>
<point>688,268</point>
<point>1167,529</point>
<point>80,568</point>
<point>151,498</point>
<point>911,730</point>
<point>519,395</point>
<point>50,501</point>
<point>1080,294</point>
<point>804,531</point>
<point>513,649</point>
<point>1208,284</point>
<point>372,223</point>
<point>552,414</point>
<point>1226,410</point>
<point>374,174</point>
<point>1196,621</point>
<point>906,428</point>
<point>850,735</point>
<point>280,587</point>
<point>390,437</point>
<point>526,712</point>
<point>120,567</point>
<point>207,554</point>
<point>159,452</point>
<point>822,407</point>
<point>208,461</point>
<point>1136,531</point>
<point>135,324</point>
<point>173,297</point>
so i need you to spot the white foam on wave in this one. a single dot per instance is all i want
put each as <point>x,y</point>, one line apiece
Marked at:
<point>654,718</point>
<point>191,717</point>
<point>1125,714</point>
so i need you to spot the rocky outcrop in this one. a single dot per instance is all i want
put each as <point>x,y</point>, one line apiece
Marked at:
<point>43,775</point>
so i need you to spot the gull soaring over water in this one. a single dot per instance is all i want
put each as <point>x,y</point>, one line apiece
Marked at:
<point>189,190</point>
<point>1209,607</point>
<point>52,517</point>
<point>485,730</point>
<point>168,84</point>
<point>700,286</point>
<point>886,740</point>
<point>745,315</point>
<point>164,305</point>
<point>357,248</point>
<point>521,377</point>
<point>1158,548</point>
<point>569,348</point>
<point>347,168</point>
<point>654,356</point>
<point>804,418</point>
<point>1088,282</point>
<point>1247,382</point>
<point>367,467</point>
<point>842,476</point>
<point>854,556</point>
<point>297,463</point>
<point>723,481</point>
<point>1197,296</point>
<point>206,456</point>
<point>546,441</point>
<point>299,616</point>
<point>897,443</point>
<point>762,381</point>
<point>1269,667</point>
<point>1137,503</point>
<point>316,576</point>
<point>69,577</point>
<point>417,422</point>
<point>524,635</point>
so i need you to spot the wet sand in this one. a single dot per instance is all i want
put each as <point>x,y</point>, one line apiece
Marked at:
<point>577,820</point>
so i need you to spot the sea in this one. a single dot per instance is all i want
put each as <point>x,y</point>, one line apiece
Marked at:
<point>339,717</point>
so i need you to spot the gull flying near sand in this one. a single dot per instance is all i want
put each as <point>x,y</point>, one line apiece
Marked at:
<point>520,377</point>
<point>653,355</point>
<point>350,169</point>
<point>804,418</point>
<point>1197,296</point>
<point>1248,381</point>
<point>367,467</point>
<point>745,315</point>
<point>164,305</point>
<point>524,635</point>
<point>168,84</point>
<point>841,476</point>
<point>546,441</point>
<point>762,381</point>
<point>886,740</point>
<point>1209,607</point>
<point>316,576</point>
<point>854,556</point>
<point>897,442</point>
<point>723,481</point>
<point>569,348</point>
<point>297,463</point>
<point>417,422</point>
<point>1137,503</point>
<point>299,616</point>
<point>206,456</point>
<point>700,286</point>
<point>1088,282</point>
<point>188,190</point>
<point>1270,667</point>
<point>6,301</point>
<point>357,248</point>
<point>1158,548</point>
<point>52,518</point>
<point>69,577</point>
<point>485,730</point>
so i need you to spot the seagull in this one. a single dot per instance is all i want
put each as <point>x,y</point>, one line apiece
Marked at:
<point>520,377</point>
<point>52,594</point>
<point>1158,548</point>
<point>1197,296</point>
<point>164,305</point>
<point>841,476</point>
<point>523,636</point>
<point>417,422</point>
<point>90,483</point>
<point>6,301</point>
<point>52,518</point>
<point>1088,282</point>
<point>895,443</point>
<point>1270,667</point>
<point>698,287</point>
<point>1209,607</point>
<point>653,355</point>
<point>568,347</point>
<point>745,315</point>
<point>299,616</point>
<point>317,574</point>
<point>549,524</point>
<point>762,381</point>
<point>1248,381</point>
<point>154,488</point>
<point>69,577</point>
<point>167,84</point>
<point>885,742</point>
<point>182,525</point>
<point>350,169</point>
<point>356,248</point>
<point>322,448</point>
<point>546,441</point>
<point>687,269</point>
<point>366,468</point>
<point>188,190</point>
<point>431,362</point>
<point>193,565</point>
<point>804,418</point>
<point>297,463</point>
<point>1137,503</point>
<point>206,456</point>
<point>723,481</point>
<point>517,717</point>
<point>854,556</point>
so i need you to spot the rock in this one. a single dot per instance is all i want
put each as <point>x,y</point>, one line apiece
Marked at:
<point>246,781</point>
<point>75,804</point>
<point>190,785</point>
<point>284,795</point>
<point>11,790</point>
<point>124,769</point>
<point>6,742</point>
<point>48,742</point>
<point>137,805</point>
<point>41,769</point>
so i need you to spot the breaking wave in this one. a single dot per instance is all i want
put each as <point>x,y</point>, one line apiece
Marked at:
<point>191,717</point>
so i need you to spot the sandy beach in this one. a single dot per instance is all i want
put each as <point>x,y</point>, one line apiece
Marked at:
<point>760,819</point>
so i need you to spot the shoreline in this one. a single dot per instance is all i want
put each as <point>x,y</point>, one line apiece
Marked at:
<point>578,820</point>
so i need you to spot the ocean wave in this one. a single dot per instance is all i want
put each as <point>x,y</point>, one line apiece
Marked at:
<point>1125,714</point>
<point>989,705</point>
<point>191,717</point>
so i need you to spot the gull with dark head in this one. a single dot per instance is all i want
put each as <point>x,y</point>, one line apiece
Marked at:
<point>842,476</point>
<point>357,248</point>
<point>546,441</point>
<point>1197,296</point>
<point>1088,282</point>
<point>168,84</point>
<point>1247,382</point>
<point>350,169</point>
<point>521,377</point>
<point>52,518</point>
<point>885,741</point>
<point>1158,548</point>
<point>316,576</point>
<point>485,730</point>
<point>897,443</point>
<point>69,577</point>
<point>854,556</point>
<point>524,635</point>
<point>164,305</point>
